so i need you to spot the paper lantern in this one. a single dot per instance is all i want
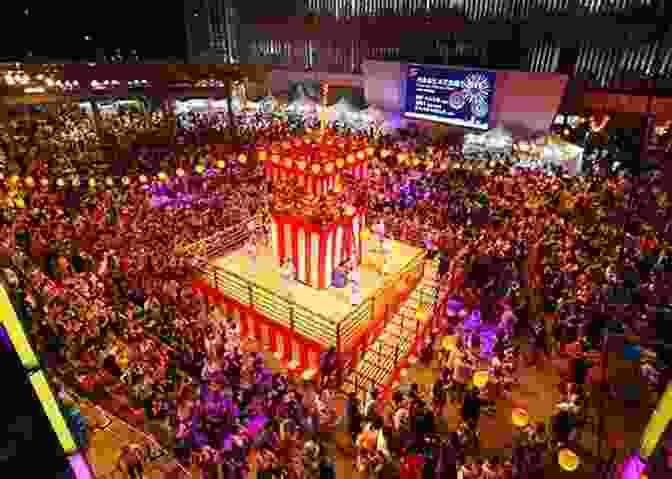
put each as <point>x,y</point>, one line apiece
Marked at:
<point>288,163</point>
<point>361,155</point>
<point>60,182</point>
<point>143,179</point>
<point>199,169</point>
<point>367,440</point>
<point>420,313</point>
<point>275,159</point>
<point>316,169</point>
<point>221,164</point>
<point>242,158</point>
<point>370,151</point>
<point>162,176</point>
<point>29,182</point>
<point>262,155</point>
<point>329,167</point>
<point>301,164</point>
<point>180,172</point>
<point>44,182</point>
<point>481,378</point>
<point>349,210</point>
<point>62,263</point>
<point>14,179</point>
<point>449,343</point>
<point>286,145</point>
<point>365,234</point>
<point>568,460</point>
<point>416,161</point>
<point>520,417</point>
<point>340,162</point>
<point>350,159</point>
<point>124,181</point>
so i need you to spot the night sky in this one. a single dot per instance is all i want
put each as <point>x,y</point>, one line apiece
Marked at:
<point>155,29</point>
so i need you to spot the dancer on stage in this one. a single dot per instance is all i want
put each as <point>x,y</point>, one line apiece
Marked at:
<point>288,275</point>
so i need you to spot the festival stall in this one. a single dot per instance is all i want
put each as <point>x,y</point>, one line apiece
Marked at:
<point>551,154</point>
<point>497,140</point>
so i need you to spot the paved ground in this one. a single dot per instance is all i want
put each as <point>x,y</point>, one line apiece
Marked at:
<point>538,392</point>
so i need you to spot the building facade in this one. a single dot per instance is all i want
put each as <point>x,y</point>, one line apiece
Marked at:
<point>607,43</point>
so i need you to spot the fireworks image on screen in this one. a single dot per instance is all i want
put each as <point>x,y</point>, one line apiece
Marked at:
<point>476,88</point>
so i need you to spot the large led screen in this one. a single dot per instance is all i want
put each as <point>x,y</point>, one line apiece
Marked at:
<point>446,95</point>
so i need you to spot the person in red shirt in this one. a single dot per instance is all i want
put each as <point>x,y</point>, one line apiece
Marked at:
<point>411,465</point>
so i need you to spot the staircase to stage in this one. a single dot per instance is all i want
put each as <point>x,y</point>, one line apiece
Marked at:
<point>389,353</point>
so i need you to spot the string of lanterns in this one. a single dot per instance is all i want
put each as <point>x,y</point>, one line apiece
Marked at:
<point>16,181</point>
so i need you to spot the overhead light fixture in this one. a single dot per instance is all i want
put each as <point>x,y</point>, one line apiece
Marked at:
<point>34,90</point>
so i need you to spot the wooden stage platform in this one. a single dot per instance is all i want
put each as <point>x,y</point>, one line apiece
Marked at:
<point>332,303</point>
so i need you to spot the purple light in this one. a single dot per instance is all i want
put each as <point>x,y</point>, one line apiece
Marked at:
<point>4,338</point>
<point>633,467</point>
<point>80,466</point>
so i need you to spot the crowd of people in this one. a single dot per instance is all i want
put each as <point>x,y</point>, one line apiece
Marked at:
<point>105,295</point>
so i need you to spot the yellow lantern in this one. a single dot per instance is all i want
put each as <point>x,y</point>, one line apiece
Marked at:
<point>350,159</point>
<point>14,179</point>
<point>416,161</point>
<point>370,151</point>
<point>402,158</point>
<point>360,155</point>
<point>199,169</point>
<point>162,176</point>
<point>301,164</point>
<point>420,313</point>
<point>242,158</point>
<point>316,169</point>
<point>29,182</point>
<point>367,440</point>
<point>221,164</point>
<point>520,417</point>
<point>340,162</point>
<point>275,159</point>
<point>481,378</point>
<point>288,162</point>
<point>449,343</point>
<point>329,167</point>
<point>365,234</point>
<point>262,155</point>
<point>349,210</point>
<point>568,460</point>
<point>92,182</point>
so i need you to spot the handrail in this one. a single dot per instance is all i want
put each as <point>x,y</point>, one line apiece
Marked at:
<point>354,317</point>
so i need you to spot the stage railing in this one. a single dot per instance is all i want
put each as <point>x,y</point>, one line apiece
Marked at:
<point>222,242</point>
<point>280,309</point>
<point>358,330</point>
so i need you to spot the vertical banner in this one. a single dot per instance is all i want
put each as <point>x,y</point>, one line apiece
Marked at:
<point>314,259</point>
<point>355,238</point>
<point>287,242</point>
<point>301,267</point>
<point>275,240</point>
<point>295,248</point>
<point>338,247</point>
